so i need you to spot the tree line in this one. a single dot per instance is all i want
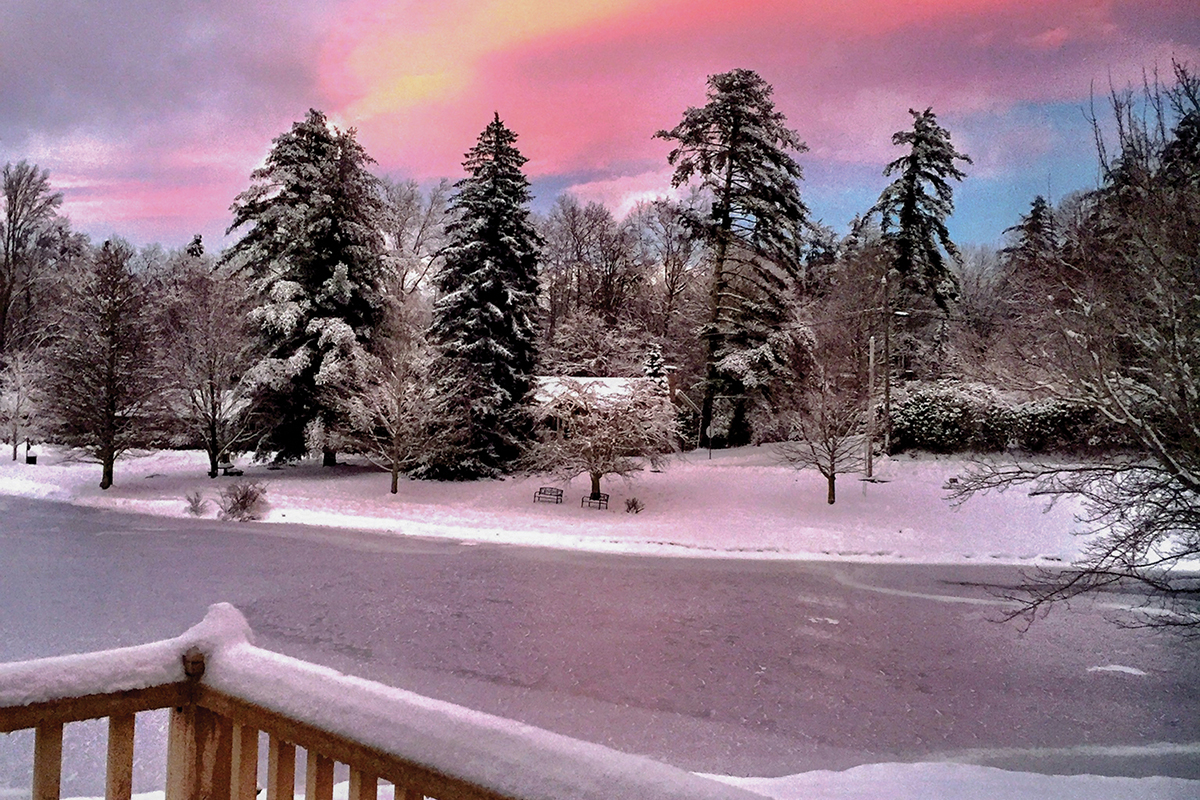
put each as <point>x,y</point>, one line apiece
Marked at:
<point>354,312</point>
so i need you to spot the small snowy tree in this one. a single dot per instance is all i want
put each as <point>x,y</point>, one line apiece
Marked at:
<point>827,416</point>
<point>21,397</point>
<point>314,253</point>
<point>389,406</point>
<point>740,147</point>
<point>483,325</point>
<point>588,430</point>
<point>655,367</point>
<point>208,346</point>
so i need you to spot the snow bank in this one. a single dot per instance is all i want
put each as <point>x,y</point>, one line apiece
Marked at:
<point>741,503</point>
<point>960,782</point>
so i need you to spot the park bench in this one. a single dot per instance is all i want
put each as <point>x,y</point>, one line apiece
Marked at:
<point>599,501</point>
<point>548,494</point>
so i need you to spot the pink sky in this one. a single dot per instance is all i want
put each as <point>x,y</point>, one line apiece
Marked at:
<point>151,115</point>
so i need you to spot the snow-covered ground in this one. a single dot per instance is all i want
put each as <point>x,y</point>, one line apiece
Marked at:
<point>740,503</point>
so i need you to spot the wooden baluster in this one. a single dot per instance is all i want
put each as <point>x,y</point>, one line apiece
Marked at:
<point>119,783</point>
<point>363,785</point>
<point>214,754</point>
<point>318,777</point>
<point>245,763</point>
<point>47,761</point>
<point>281,770</point>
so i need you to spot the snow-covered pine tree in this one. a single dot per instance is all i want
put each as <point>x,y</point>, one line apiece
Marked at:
<point>314,254</point>
<point>104,372</point>
<point>740,148</point>
<point>914,208</point>
<point>1032,261</point>
<point>655,367</point>
<point>484,318</point>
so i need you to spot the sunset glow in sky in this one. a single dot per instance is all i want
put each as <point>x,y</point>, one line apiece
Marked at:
<point>150,114</point>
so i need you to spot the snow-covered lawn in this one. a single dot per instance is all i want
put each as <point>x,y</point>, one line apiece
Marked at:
<point>741,503</point>
<point>738,503</point>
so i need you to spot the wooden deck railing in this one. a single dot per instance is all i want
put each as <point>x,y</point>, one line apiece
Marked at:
<point>222,691</point>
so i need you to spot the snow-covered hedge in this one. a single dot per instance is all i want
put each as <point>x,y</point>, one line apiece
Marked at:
<point>954,417</point>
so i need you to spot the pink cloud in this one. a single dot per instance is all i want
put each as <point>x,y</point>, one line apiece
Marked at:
<point>586,91</point>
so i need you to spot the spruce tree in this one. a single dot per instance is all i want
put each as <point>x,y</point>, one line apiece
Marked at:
<point>739,146</point>
<point>314,254</point>
<point>104,372</point>
<point>484,318</point>
<point>914,208</point>
<point>1032,261</point>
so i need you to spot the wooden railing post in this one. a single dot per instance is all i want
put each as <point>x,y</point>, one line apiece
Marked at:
<point>119,783</point>
<point>47,761</point>
<point>181,754</point>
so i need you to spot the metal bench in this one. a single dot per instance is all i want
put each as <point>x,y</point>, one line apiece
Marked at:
<point>548,494</point>
<point>599,501</point>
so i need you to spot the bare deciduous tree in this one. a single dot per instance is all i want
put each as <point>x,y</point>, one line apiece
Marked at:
<point>1122,337</point>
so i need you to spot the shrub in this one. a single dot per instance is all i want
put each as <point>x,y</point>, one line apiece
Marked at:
<point>243,501</point>
<point>196,504</point>
<point>634,506</point>
<point>950,418</point>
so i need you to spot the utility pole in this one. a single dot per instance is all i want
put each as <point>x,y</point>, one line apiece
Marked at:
<point>871,410</point>
<point>887,367</point>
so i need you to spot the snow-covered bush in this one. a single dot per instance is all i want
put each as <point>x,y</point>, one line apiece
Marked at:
<point>243,501</point>
<point>950,418</point>
<point>1053,424</point>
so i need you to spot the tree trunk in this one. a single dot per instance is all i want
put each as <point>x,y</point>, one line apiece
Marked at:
<point>212,462</point>
<point>831,495</point>
<point>328,457</point>
<point>106,473</point>
<point>395,477</point>
<point>595,485</point>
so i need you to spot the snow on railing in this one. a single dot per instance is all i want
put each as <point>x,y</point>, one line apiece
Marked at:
<point>222,690</point>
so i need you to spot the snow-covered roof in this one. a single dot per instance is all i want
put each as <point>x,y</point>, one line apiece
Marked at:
<point>548,388</point>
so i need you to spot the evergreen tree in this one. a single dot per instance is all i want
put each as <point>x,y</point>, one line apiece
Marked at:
<point>484,318</point>
<point>314,254</point>
<point>740,148</point>
<point>655,367</point>
<point>104,374</point>
<point>1031,261</point>
<point>914,208</point>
